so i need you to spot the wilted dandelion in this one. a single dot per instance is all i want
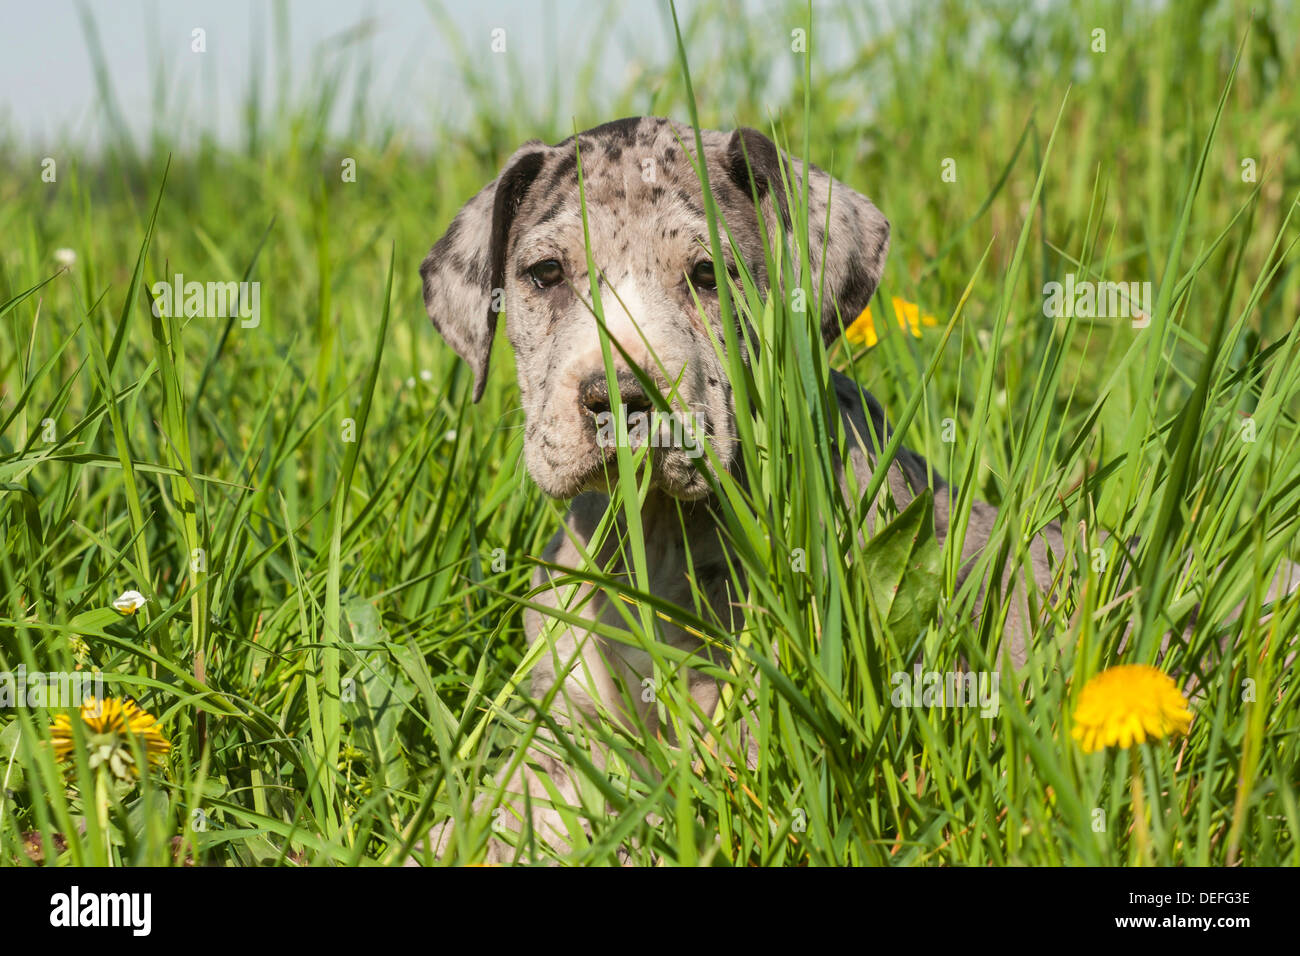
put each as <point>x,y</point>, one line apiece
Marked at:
<point>65,257</point>
<point>1125,705</point>
<point>108,727</point>
<point>129,602</point>
<point>862,331</point>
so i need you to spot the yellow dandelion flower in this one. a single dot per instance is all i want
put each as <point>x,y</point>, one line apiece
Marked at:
<point>862,331</point>
<point>1127,704</point>
<point>108,726</point>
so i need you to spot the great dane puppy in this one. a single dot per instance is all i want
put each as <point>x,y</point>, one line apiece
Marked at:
<point>518,246</point>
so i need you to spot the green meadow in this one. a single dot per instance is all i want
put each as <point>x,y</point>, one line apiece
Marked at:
<point>335,545</point>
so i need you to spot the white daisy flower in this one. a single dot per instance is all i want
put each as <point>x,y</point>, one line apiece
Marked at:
<point>129,602</point>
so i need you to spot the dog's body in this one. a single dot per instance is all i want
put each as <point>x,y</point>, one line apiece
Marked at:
<point>520,244</point>
<point>608,664</point>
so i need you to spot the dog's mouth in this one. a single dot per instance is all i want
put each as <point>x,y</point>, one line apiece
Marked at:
<point>673,449</point>
<point>673,474</point>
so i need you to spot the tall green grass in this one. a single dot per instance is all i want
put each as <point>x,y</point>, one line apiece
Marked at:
<point>347,664</point>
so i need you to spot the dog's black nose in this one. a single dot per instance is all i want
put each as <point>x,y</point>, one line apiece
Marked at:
<point>593,393</point>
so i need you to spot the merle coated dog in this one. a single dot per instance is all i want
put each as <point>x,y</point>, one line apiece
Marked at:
<point>518,246</point>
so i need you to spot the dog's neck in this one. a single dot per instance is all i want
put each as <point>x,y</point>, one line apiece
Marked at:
<point>663,515</point>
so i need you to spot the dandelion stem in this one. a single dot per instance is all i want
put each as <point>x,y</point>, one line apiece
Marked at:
<point>1140,828</point>
<point>101,809</point>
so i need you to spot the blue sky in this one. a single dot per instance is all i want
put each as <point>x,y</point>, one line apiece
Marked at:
<point>48,91</point>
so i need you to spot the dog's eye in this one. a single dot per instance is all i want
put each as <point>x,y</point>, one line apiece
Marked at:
<point>702,276</point>
<point>546,273</point>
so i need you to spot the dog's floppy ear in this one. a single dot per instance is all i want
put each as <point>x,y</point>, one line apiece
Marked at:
<point>464,272</point>
<point>852,254</point>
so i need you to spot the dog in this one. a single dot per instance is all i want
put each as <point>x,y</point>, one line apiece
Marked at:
<point>518,246</point>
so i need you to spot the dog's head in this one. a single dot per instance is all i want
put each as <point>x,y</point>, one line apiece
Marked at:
<point>518,246</point>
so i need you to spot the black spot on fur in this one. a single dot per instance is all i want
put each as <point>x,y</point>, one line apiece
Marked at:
<point>753,165</point>
<point>552,212</point>
<point>878,253</point>
<point>854,294</point>
<point>511,189</point>
<point>565,169</point>
<point>689,201</point>
<point>483,275</point>
<point>443,245</point>
<point>616,131</point>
